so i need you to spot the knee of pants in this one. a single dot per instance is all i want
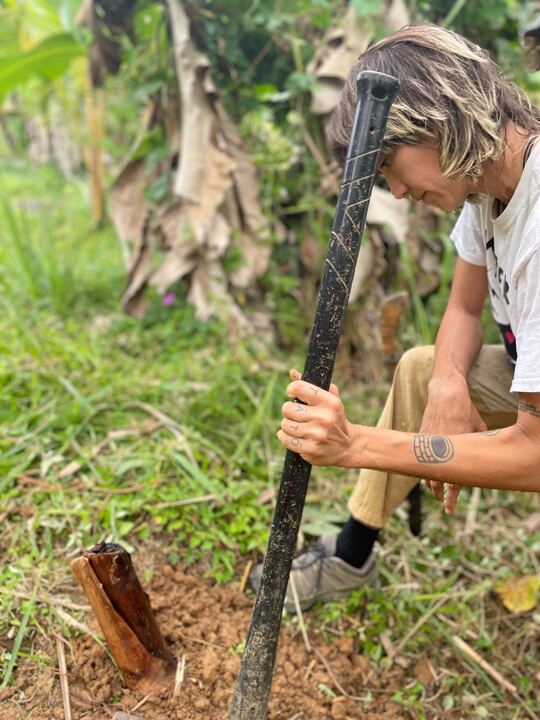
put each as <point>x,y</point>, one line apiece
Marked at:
<point>416,365</point>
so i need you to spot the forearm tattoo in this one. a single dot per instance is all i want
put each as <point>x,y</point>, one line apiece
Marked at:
<point>531,409</point>
<point>432,449</point>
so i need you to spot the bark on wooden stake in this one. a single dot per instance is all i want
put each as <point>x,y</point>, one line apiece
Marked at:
<point>126,619</point>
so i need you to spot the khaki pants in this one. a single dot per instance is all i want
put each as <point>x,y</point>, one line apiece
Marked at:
<point>377,494</point>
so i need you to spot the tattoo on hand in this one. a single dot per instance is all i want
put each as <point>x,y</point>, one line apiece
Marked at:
<point>296,442</point>
<point>531,409</point>
<point>299,408</point>
<point>294,427</point>
<point>432,449</point>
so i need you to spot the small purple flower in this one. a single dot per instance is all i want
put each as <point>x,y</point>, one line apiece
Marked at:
<point>168,299</point>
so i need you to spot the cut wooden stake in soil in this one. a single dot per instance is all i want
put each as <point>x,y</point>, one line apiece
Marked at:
<point>126,618</point>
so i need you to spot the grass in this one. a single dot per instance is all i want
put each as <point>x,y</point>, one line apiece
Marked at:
<point>442,585</point>
<point>161,434</point>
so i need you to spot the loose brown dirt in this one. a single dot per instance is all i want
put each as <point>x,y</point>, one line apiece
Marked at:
<point>206,624</point>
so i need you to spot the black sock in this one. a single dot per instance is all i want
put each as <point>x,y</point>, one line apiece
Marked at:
<point>355,542</point>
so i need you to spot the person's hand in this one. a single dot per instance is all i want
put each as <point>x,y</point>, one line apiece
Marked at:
<point>449,416</point>
<point>316,427</point>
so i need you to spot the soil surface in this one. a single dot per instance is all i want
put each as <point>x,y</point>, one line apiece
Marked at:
<point>206,625</point>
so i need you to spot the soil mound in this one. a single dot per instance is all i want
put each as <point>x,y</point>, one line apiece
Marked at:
<point>206,625</point>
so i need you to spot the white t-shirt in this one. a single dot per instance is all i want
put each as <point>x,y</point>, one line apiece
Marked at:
<point>509,248</point>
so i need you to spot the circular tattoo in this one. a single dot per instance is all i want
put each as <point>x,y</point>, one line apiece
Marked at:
<point>433,448</point>
<point>295,442</point>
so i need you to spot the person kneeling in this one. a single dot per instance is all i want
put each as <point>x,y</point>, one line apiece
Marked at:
<point>458,413</point>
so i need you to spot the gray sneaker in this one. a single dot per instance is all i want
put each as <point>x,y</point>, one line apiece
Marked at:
<point>320,576</point>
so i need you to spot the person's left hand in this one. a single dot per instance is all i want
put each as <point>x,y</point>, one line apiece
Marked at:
<point>448,416</point>
<point>316,427</point>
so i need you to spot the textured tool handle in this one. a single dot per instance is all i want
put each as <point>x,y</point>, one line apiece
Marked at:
<point>375,94</point>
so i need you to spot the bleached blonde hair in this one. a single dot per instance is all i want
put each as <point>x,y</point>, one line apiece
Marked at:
<point>451,93</point>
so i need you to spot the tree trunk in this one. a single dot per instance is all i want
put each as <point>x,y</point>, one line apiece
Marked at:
<point>95,111</point>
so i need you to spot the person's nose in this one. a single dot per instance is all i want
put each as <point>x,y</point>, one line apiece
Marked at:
<point>398,189</point>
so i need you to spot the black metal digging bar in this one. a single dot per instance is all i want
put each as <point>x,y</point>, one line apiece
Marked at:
<point>375,94</point>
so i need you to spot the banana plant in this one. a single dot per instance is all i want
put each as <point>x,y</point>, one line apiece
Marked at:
<point>38,38</point>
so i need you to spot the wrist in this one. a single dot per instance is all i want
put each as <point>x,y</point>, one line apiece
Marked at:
<point>451,384</point>
<point>376,448</point>
<point>354,455</point>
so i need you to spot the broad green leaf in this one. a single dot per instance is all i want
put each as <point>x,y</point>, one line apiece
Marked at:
<point>519,594</point>
<point>49,60</point>
<point>317,529</point>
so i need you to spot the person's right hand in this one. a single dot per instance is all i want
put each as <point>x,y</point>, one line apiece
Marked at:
<point>448,414</point>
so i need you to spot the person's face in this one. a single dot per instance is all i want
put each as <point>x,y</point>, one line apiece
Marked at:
<point>415,171</point>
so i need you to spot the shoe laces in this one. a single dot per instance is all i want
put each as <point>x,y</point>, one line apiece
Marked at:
<point>313,553</point>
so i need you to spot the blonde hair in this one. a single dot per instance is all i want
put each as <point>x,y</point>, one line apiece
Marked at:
<point>451,93</point>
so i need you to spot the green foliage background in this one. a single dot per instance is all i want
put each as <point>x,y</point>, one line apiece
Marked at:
<point>259,52</point>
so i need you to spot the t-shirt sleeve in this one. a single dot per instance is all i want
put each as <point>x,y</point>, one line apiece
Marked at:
<point>527,372</point>
<point>467,235</point>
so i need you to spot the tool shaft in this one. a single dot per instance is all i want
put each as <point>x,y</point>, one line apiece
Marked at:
<point>375,94</point>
